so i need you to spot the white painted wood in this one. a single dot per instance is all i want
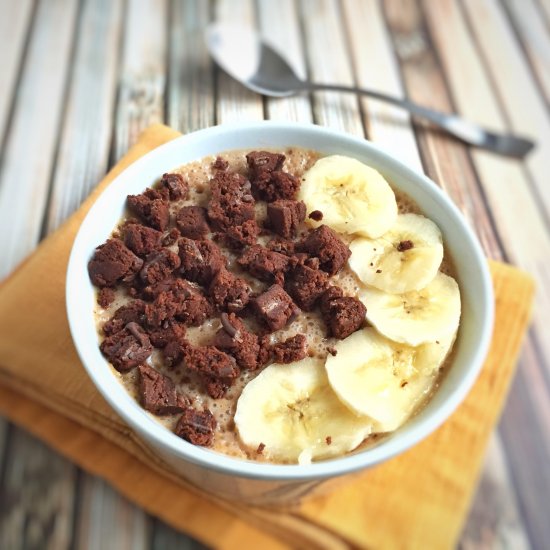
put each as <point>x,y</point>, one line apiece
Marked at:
<point>86,135</point>
<point>142,73</point>
<point>108,520</point>
<point>535,35</point>
<point>36,501</point>
<point>329,63</point>
<point>191,74</point>
<point>15,18</point>
<point>280,25</point>
<point>234,102</point>
<point>30,147</point>
<point>375,67</point>
<point>522,103</point>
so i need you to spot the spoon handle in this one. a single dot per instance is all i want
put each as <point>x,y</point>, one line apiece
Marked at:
<point>504,144</point>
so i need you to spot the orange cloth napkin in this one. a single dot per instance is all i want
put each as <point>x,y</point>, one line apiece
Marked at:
<point>418,499</point>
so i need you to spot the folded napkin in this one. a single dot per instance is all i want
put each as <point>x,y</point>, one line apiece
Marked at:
<point>418,499</point>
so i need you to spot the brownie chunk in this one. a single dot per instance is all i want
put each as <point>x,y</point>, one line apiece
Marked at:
<point>177,187</point>
<point>228,292</point>
<point>197,427</point>
<point>231,203</point>
<point>169,331</point>
<point>306,285</point>
<point>141,240</point>
<point>220,164</point>
<point>159,265</point>
<point>174,351</point>
<point>134,312</point>
<point>200,260</point>
<point>235,339</point>
<point>291,350</point>
<point>275,307</point>
<point>192,223</point>
<point>238,236</point>
<point>264,264</point>
<point>216,388</point>
<point>171,237</point>
<point>158,392</point>
<point>285,216</point>
<point>113,262</point>
<point>324,243</point>
<point>316,215</point>
<point>151,207</point>
<point>105,297</point>
<point>283,246</point>
<point>127,348</point>
<point>263,163</point>
<point>342,315</point>
<point>405,245</point>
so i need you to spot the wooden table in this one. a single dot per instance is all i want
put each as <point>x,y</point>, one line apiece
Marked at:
<point>80,79</point>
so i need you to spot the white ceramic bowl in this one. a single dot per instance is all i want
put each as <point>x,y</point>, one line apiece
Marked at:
<point>253,481</point>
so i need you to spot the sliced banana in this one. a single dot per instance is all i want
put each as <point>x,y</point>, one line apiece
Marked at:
<point>353,197</point>
<point>405,258</point>
<point>415,317</point>
<point>292,410</point>
<point>384,380</point>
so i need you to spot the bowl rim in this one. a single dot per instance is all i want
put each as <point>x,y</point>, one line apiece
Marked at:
<point>156,434</point>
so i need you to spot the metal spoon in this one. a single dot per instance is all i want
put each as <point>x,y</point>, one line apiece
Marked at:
<point>243,54</point>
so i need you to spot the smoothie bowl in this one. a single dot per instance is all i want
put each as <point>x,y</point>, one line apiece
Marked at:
<point>270,305</point>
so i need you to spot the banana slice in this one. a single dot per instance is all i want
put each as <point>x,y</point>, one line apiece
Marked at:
<point>292,410</point>
<point>405,258</point>
<point>382,379</point>
<point>418,316</point>
<point>353,197</point>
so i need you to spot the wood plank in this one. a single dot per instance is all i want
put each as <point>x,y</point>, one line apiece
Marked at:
<point>4,428</point>
<point>86,134</point>
<point>521,102</point>
<point>191,93</point>
<point>106,516</point>
<point>142,72</point>
<point>375,67</point>
<point>30,147</point>
<point>534,33</point>
<point>328,62</point>
<point>15,18</point>
<point>166,538</point>
<point>36,501</point>
<point>234,102</point>
<point>279,23</point>
<point>494,520</point>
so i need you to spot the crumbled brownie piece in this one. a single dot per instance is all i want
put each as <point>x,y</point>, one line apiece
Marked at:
<point>141,240</point>
<point>282,246</point>
<point>113,262</point>
<point>264,264</point>
<point>192,223</point>
<point>281,186</point>
<point>169,331</point>
<point>177,187</point>
<point>263,162</point>
<point>316,215</point>
<point>285,216</point>
<point>105,297</point>
<point>127,348</point>
<point>151,207</point>
<point>275,307</point>
<point>325,244</point>
<point>158,392</point>
<point>292,349</point>
<point>242,235</point>
<point>260,448</point>
<point>220,164</point>
<point>134,312</point>
<point>231,202</point>
<point>405,245</point>
<point>210,361</point>
<point>229,292</point>
<point>173,351</point>
<point>342,315</point>
<point>200,260</point>
<point>197,427</point>
<point>159,265</point>
<point>306,285</point>
<point>235,339</point>
<point>171,237</point>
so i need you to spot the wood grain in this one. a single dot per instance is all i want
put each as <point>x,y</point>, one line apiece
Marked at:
<point>190,102</point>
<point>86,134</point>
<point>15,18</point>
<point>166,538</point>
<point>142,71</point>
<point>36,501</point>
